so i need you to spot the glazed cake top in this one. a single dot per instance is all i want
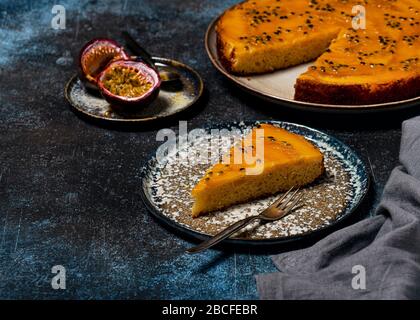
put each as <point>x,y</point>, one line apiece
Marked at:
<point>388,48</point>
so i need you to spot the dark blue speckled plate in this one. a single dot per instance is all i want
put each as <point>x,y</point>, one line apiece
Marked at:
<point>167,184</point>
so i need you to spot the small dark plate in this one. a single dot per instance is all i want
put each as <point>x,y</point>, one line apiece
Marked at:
<point>173,98</point>
<point>167,183</point>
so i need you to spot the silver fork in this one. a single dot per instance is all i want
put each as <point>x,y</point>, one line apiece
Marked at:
<point>277,210</point>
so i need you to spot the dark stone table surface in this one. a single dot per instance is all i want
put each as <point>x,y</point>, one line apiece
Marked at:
<point>70,190</point>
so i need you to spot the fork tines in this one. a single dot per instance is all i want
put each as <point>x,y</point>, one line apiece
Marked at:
<point>289,200</point>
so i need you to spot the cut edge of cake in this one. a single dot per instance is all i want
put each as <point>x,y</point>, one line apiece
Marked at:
<point>274,58</point>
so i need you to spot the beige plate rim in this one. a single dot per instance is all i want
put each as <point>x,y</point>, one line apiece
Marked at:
<point>291,102</point>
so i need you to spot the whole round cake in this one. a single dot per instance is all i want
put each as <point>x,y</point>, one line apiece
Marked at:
<point>366,51</point>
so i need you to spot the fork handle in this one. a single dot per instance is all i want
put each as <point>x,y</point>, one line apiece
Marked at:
<point>226,233</point>
<point>138,50</point>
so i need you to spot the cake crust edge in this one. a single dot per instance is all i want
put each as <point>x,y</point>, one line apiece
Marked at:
<point>308,90</point>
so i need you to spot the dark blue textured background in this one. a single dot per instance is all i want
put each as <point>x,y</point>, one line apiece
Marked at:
<point>69,190</point>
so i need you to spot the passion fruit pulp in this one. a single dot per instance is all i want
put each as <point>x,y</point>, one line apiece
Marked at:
<point>95,56</point>
<point>128,84</point>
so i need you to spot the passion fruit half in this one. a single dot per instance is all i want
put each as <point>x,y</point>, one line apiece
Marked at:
<point>95,56</point>
<point>128,84</point>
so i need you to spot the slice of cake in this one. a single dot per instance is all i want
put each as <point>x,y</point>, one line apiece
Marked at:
<point>267,161</point>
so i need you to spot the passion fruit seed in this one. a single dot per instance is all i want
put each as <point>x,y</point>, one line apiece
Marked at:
<point>126,82</point>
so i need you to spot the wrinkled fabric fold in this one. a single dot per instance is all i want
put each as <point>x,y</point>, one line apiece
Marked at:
<point>386,246</point>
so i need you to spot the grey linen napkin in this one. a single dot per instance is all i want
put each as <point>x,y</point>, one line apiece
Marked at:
<point>385,248</point>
